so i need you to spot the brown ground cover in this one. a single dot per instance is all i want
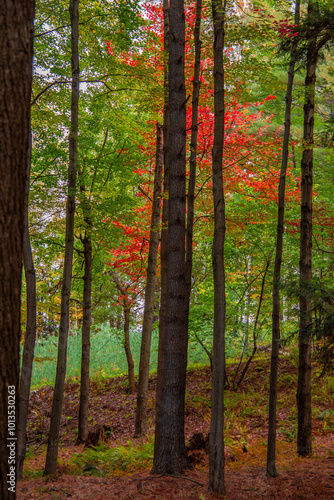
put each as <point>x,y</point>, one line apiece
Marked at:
<point>112,413</point>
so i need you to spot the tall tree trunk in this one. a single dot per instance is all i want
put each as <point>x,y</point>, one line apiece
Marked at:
<point>85,333</point>
<point>30,335</point>
<point>171,454</point>
<point>271,449</point>
<point>164,235</point>
<point>52,451</point>
<point>193,153</point>
<point>16,50</point>
<point>151,280</point>
<point>304,435</point>
<point>216,457</point>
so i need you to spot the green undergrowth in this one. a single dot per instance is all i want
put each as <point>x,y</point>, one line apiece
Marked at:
<point>107,355</point>
<point>246,419</point>
<point>105,461</point>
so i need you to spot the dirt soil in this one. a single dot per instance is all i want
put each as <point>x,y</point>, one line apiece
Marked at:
<point>112,406</point>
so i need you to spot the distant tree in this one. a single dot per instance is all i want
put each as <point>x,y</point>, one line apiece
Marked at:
<point>52,451</point>
<point>16,49</point>
<point>319,30</point>
<point>150,290</point>
<point>29,336</point>
<point>271,469</point>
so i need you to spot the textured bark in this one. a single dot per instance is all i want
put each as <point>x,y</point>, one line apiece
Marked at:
<point>30,335</point>
<point>52,450</point>
<point>164,236</point>
<point>271,449</point>
<point>151,280</point>
<point>170,454</point>
<point>85,334</point>
<point>304,435</point>
<point>193,152</point>
<point>216,456</point>
<point>16,48</point>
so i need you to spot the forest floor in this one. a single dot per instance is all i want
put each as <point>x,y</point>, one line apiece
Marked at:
<point>118,467</point>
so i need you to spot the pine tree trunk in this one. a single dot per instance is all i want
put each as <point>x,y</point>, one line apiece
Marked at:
<point>16,49</point>
<point>271,449</point>
<point>164,236</point>
<point>193,152</point>
<point>30,335</point>
<point>304,435</point>
<point>85,333</point>
<point>151,280</point>
<point>52,450</point>
<point>216,456</point>
<point>170,454</point>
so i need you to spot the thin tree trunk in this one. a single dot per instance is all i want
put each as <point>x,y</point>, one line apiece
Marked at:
<point>127,348</point>
<point>16,50</point>
<point>30,335</point>
<point>171,454</point>
<point>164,236</point>
<point>193,149</point>
<point>151,280</point>
<point>304,435</point>
<point>52,450</point>
<point>85,333</point>
<point>271,449</point>
<point>216,456</point>
<point>244,371</point>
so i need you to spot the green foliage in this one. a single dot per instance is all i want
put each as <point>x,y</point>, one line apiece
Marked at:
<point>104,461</point>
<point>107,355</point>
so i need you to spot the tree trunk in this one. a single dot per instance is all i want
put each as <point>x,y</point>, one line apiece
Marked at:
<point>30,335</point>
<point>304,435</point>
<point>271,449</point>
<point>129,358</point>
<point>127,347</point>
<point>244,371</point>
<point>216,456</point>
<point>85,332</point>
<point>193,153</point>
<point>52,451</point>
<point>16,50</point>
<point>171,454</point>
<point>164,236</point>
<point>151,280</point>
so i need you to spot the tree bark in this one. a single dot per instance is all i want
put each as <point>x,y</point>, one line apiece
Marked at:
<point>216,456</point>
<point>16,50</point>
<point>52,450</point>
<point>30,334</point>
<point>276,335</point>
<point>171,454</point>
<point>85,333</point>
<point>193,153</point>
<point>304,435</point>
<point>164,236</point>
<point>151,280</point>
